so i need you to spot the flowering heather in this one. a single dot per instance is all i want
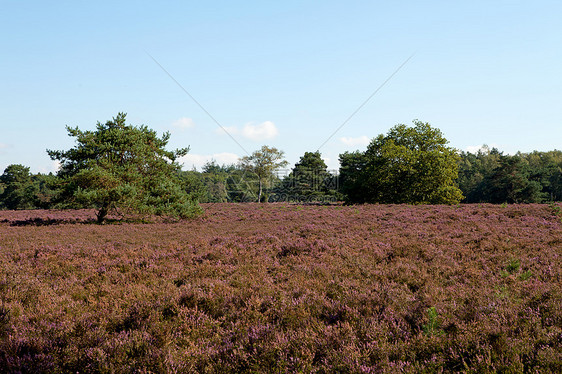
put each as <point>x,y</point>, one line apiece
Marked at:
<point>284,288</point>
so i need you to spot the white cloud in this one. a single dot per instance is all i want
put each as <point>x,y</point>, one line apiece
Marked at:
<point>183,123</point>
<point>191,161</point>
<point>354,142</point>
<point>263,131</point>
<point>3,147</point>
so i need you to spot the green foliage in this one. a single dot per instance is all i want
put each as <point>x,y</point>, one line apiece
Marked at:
<point>546,168</point>
<point>123,168</point>
<point>556,210</point>
<point>243,185</point>
<point>510,182</point>
<point>433,326</point>
<point>475,171</point>
<point>309,180</point>
<point>526,275</point>
<point>214,179</point>
<point>310,174</point>
<point>46,190</point>
<point>409,165</point>
<point>191,182</point>
<point>513,266</point>
<point>490,176</point>
<point>263,163</point>
<point>227,183</point>
<point>353,176</point>
<point>19,191</point>
<point>218,184</point>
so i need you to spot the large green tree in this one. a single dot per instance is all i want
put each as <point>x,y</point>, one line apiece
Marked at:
<point>46,185</point>
<point>19,189</point>
<point>263,163</point>
<point>546,168</point>
<point>309,180</point>
<point>510,182</point>
<point>475,172</point>
<point>407,165</point>
<point>353,176</point>
<point>310,175</point>
<point>124,168</point>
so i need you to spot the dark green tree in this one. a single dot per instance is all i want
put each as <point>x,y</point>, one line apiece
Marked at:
<point>126,169</point>
<point>353,177</point>
<point>192,183</point>
<point>407,165</point>
<point>475,172</point>
<point>310,174</point>
<point>46,189</point>
<point>546,168</point>
<point>492,177</point>
<point>19,190</point>
<point>510,182</point>
<point>308,179</point>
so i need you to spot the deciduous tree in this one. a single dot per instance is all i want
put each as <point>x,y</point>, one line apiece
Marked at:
<point>263,163</point>
<point>407,165</point>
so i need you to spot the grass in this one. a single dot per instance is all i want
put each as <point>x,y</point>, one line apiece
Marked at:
<point>284,288</point>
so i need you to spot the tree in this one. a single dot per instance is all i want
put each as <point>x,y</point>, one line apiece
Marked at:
<point>309,180</point>
<point>242,184</point>
<point>475,172</point>
<point>510,182</point>
<point>46,189</point>
<point>263,163</point>
<point>310,175</point>
<point>492,177</point>
<point>123,168</point>
<point>352,176</point>
<point>215,178</point>
<point>19,190</point>
<point>409,165</point>
<point>193,184</point>
<point>546,168</point>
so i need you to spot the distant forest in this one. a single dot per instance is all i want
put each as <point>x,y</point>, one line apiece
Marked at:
<point>487,176</point>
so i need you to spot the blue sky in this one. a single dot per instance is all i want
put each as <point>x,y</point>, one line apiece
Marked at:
<point>286,74</point>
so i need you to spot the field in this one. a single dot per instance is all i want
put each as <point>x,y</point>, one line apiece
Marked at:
<point>285,288</point>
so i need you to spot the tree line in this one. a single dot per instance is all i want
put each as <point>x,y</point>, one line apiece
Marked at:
<point>123,168</point>
<point>489,176</point>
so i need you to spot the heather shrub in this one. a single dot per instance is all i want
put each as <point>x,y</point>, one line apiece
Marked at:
<point>283,288</point>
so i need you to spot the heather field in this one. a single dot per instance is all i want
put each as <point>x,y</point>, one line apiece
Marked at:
<point>284,288</point>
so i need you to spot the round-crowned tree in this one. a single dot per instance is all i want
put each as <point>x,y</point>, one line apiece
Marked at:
<point>19,191</point>
<point>410,165</point>
<point>126,169</point>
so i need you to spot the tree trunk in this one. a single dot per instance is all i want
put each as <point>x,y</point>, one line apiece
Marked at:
<point>102,213</point>
<point>259,193</point>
